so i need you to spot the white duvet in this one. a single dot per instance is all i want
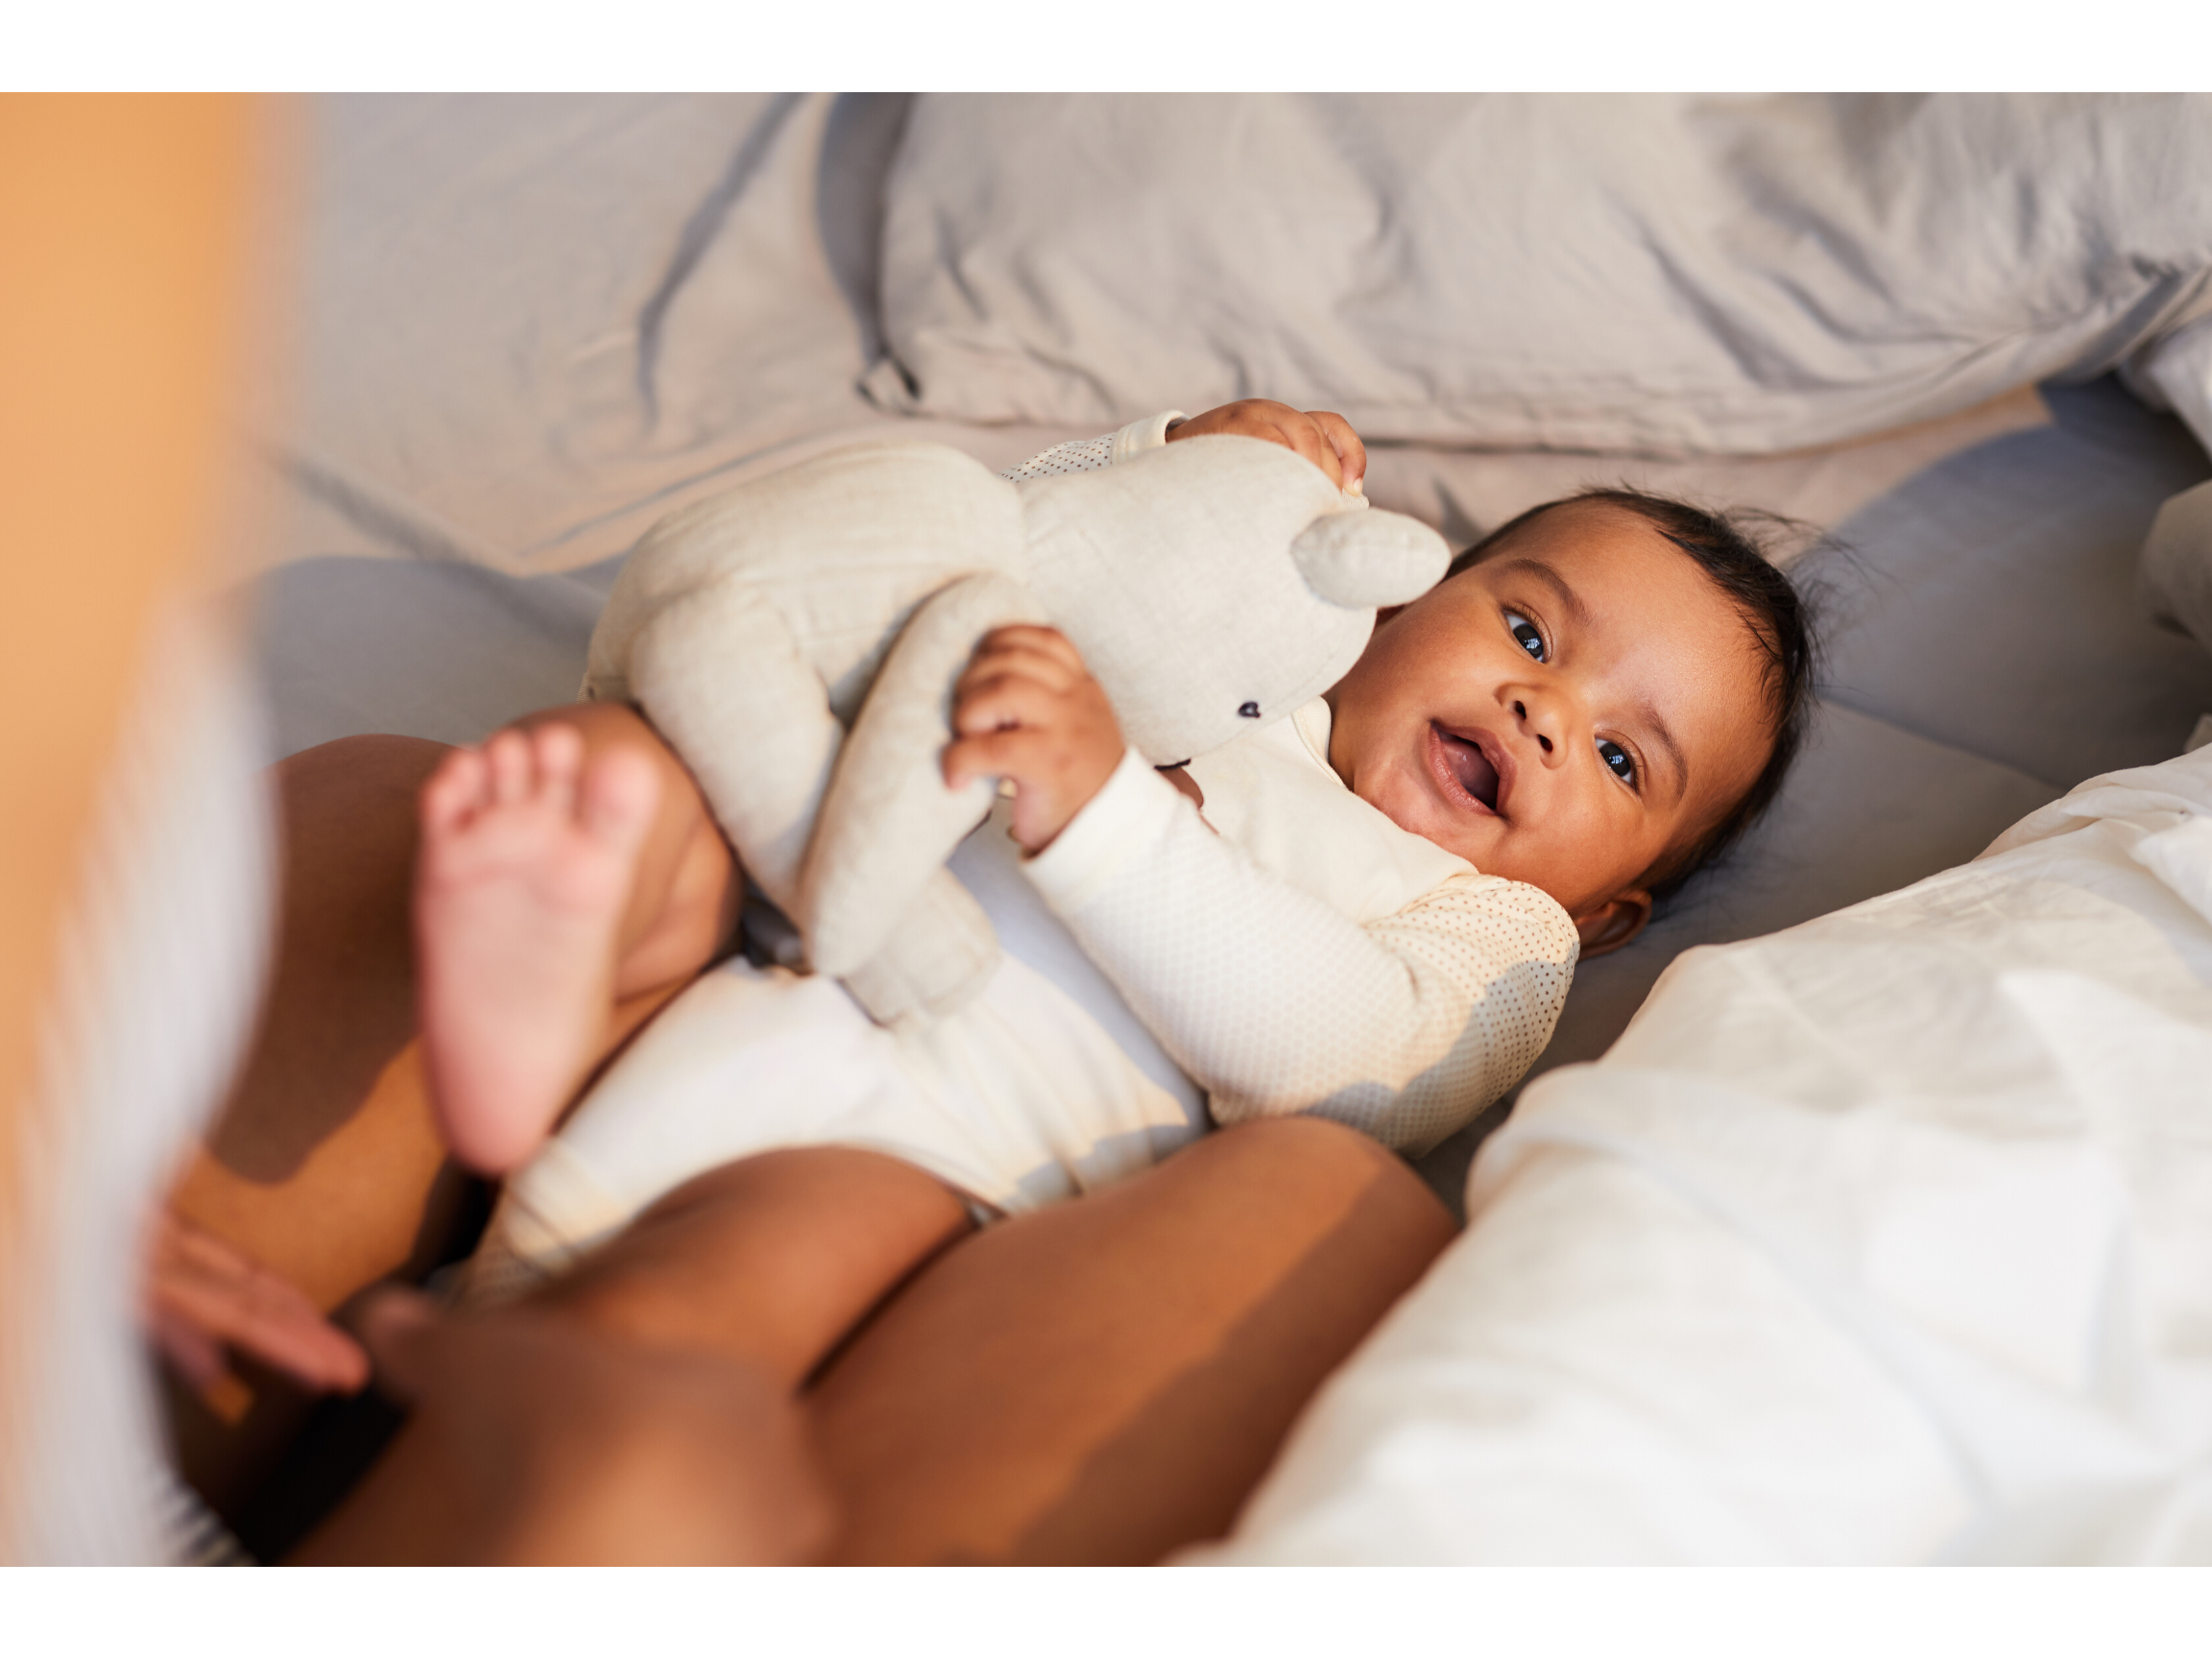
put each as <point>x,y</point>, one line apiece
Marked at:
<point>1887,1238</point>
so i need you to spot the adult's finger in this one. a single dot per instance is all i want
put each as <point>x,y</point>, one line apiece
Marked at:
<point>291,1335</point>
<point>193,1354</point>
<point>1351,453</point>
<point>400,1330</point>
<point>193,1278</point>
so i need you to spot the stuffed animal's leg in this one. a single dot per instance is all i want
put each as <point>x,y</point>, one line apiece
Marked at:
<point>871,892</point>
<point>720,675</point>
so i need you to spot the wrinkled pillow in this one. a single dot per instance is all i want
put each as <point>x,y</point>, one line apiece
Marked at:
<point>1669,274</point>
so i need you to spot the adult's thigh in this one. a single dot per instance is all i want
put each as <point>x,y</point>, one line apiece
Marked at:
<point>1107,1380</point>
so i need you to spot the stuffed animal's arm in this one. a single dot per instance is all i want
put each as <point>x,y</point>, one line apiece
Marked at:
<point>1404,1027</point>
<point>888,823</point>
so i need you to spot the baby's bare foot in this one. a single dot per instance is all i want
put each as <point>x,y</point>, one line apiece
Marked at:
<point>526,866</point>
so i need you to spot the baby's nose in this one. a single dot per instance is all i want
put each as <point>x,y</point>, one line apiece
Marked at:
<point>1521,712</point>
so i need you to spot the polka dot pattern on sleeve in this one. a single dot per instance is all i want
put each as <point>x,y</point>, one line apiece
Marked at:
<point>1083,455</point>
<point>1405,1027</point>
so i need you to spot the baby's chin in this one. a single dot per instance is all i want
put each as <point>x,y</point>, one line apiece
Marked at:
<point>1495,845</point>
<point>1480,841</point>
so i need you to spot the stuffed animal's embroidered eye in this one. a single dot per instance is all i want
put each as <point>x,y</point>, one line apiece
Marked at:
<point>1250,710</point>
<point>1526,632</point>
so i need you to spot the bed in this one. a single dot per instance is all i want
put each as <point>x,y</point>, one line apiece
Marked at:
<point>529,326</point>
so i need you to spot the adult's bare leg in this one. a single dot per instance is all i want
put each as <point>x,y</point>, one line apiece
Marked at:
<point>558,1429</point>
<point>537,1440</point>
<point>326,1165</point>
<point>1107,1380</point>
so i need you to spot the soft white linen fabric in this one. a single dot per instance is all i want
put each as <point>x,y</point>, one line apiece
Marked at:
<point>1673,274</point>
<point>1887,1238</point>
<point>2174,371</point>
<point>160,975</point>
<point>2176,575</point>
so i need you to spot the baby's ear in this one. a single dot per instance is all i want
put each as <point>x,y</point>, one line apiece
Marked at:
<point>1363,561</point>
<point>1615,923</point>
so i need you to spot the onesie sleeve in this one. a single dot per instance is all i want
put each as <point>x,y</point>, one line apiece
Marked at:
<point>1091,454</point>
<point>1405,1027</point>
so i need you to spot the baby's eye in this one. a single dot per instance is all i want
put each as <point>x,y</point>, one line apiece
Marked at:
<point>1622,763</point>
<point>1525,630</point>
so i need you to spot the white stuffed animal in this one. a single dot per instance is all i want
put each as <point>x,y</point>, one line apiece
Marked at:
<point>1211,584</point>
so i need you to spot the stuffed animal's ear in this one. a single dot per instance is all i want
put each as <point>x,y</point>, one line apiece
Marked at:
<point>1365,561</point>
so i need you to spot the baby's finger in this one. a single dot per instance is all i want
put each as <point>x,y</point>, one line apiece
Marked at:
<point>1009,752</point>
<point>1351,453</point>
<point>979,755</point>
<point>1033,637</point>
<point>1303,434</point>
<point>1018,663</point>
<point>997,702</point>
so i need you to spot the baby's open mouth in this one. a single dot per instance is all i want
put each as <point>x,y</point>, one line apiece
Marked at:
<point>1468,766</point>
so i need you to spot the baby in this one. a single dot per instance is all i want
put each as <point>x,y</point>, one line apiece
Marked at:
<point>1369,911</point>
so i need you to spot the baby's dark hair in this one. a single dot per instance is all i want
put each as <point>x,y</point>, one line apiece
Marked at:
<point>1727,546</point>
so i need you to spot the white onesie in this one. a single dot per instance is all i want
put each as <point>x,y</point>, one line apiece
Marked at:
<point>1290,950</point>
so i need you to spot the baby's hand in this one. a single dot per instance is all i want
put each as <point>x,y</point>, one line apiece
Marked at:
<point>1027,709</point>
<point>1326,439</point>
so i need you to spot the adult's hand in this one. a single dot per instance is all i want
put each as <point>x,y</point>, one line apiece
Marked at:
<point>202,1295</point>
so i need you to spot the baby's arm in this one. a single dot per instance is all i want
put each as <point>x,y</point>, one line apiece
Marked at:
<point>1404,1027</point>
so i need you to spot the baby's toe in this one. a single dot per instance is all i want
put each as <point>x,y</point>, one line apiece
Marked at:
<point>558,755</point>
<point>460,786</point>
<point>616,798</point>
<point>508,759</point>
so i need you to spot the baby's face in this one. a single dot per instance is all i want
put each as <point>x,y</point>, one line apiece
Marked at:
<point>1565,713</point>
